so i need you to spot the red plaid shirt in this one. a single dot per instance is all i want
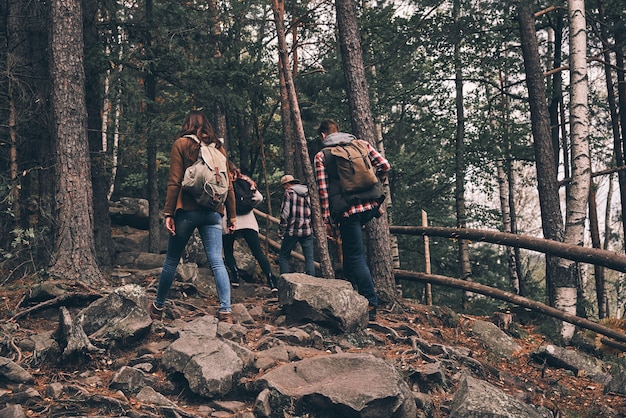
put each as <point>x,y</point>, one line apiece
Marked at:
<point>378,161</point>
<point>295,214</point>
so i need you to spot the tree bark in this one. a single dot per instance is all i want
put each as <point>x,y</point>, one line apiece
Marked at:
<point>154,218</point>
<point>505,208</point>
<point>566,285</point>
<point>379,239</point>
<point>551,217</point>
<point>289,145</point>
<point>319,228</point>
<point>459,193</point>
<point>615,118</point>
<point>599,275</point>
<point>30,150</point>
<point>73,256</point>
<point>102,221</point>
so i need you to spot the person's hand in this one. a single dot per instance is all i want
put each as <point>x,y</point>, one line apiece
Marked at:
<point>170,225</point>
<point>232,226</point>
<point>330,232</point>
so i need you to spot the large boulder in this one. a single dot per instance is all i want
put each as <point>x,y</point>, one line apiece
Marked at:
<point>497,341</point>
<point>119,316</point>
<point>339,385</point>
<point>579,363</point>
<point>477,398</point>
<point>210,365</point>
<point>331,303</point>
<point>130,211</point>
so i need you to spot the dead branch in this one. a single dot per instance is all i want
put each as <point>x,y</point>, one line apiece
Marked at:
<point>66,299</point>
<point>513,298</point>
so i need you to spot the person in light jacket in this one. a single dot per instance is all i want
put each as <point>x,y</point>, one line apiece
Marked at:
<point>247,228</point>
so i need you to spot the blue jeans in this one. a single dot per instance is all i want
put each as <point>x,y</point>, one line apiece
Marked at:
<point>209,224</point>
<point>354,263</point>
<point>288,244</point>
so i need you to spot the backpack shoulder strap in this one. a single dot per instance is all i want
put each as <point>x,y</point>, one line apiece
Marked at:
<point>195,138</point>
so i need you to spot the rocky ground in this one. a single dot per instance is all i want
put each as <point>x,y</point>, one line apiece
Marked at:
<point>556,389</point>
<point>411,336</point>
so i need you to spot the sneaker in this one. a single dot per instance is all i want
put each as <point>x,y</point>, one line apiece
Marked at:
<point>155,312</point>
<point>234,277</point>
<point>271,283</point>
<point>234,283</point>
<point>225,316</point>
<point>372,313</point>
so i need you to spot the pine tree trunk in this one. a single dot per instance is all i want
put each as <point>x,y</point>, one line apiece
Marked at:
<point>503,187</point>
<point>319,228</point>
<point>73,257</point>
<point>459,168</point>
<point>379,239</point>
<point>289,147</point>
<point>102,221</point>
<point>154,220</point>
<point>599,275</point>
<point>547,185</point>
<point>615,118</point>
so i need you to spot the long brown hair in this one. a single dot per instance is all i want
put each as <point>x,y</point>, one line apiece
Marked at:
<point>195,123</point>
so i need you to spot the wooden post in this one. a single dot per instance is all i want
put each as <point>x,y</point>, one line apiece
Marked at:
<point>427,289</point>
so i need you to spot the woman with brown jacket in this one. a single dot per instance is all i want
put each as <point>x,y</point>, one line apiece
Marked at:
<point>183,215</point>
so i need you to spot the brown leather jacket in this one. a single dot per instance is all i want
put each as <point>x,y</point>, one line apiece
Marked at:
<point>184,153</point>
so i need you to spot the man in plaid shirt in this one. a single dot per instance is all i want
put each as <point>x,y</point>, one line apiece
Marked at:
<point>295,224</point>
<point>357,214</point>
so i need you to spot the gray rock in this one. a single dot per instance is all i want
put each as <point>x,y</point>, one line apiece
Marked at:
<point>475,398</point>
<point>332,303</point>
<point>121,315</point>
<point>45,347</point>
<point>187,272</point>
<point>27,397</point>
<point>269,358</point>
<point>131,380</point>
<point>498,342</point>
<point>355,385</point>
<point>617,384</point>
<point>151,396</point>
<point>241,314</point>
<point>12,411</point>
<point>54,390</point>
<point>210,366</point>
<point>579,363</point>
<point>130,211</point>
<point>13,372</point>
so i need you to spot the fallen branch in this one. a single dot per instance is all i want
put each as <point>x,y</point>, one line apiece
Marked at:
<point>510,297</point>
<point>68,298</point>
<point>609,259</point>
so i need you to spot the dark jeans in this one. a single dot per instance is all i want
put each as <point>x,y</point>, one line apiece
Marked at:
<point>354,263</point>
<point>288,244</point>
<point>254,243</point>
<point>209,225</point>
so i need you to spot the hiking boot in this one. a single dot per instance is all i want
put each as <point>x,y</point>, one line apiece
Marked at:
<point>225,316</point>
<point>155,312</point>
<point>271,283</point>
<point>371,313</point>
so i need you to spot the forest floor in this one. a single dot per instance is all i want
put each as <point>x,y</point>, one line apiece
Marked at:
<point>565,394</point>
